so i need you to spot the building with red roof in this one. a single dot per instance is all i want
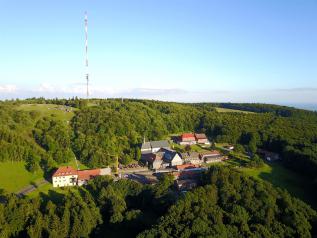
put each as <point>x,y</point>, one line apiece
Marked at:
<point>68,176</point>
<point>65,170</point>
<point>85,175</point>
<point>187,139</point>
<point>65,176</point>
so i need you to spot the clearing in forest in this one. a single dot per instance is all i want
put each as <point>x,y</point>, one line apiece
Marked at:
<point>220,109</point>
<point>60,112</point>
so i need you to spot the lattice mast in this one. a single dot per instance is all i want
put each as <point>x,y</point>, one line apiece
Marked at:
<point>86,54</point>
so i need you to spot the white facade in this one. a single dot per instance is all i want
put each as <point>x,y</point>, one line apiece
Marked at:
<point>176,160</point>
<point>63,181</point>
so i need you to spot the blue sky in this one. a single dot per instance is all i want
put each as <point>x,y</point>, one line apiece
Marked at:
<point>180,50</point>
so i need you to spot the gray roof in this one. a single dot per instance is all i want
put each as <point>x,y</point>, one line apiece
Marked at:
<point>146,146</point>
<point>160,144</point>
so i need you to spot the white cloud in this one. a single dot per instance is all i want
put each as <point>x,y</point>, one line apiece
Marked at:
<point>8,88</point>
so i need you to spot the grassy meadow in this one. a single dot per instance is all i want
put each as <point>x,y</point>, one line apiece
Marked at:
<point>220,109</point>
<point>14,176</point>
<point>50,110</point>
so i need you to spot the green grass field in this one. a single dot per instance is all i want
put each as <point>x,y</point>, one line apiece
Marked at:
<point>49,110</point>
<point>276,174</point>
<point>45,189</point>
<point>220,109</point>
<point>284,178</point>
<point>14,176</point>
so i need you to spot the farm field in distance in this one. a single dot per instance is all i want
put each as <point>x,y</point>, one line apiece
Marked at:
<point>221,109</point>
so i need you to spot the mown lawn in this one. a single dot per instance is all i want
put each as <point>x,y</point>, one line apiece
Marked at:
<point>14,176</point>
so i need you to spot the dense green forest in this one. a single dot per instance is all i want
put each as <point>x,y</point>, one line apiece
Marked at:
<point>232,205</point>
<point>125,124</point>
<point>108,128</point>
<point>229,204</point>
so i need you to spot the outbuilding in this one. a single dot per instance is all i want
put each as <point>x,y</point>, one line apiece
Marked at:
<point>201,138</point>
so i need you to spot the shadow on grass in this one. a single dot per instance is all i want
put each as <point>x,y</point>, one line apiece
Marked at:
<point>235,161</point>
<point>53,196</point>
<point>297,185</point>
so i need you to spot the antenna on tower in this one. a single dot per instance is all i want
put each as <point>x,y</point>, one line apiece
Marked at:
<point>86,54</point>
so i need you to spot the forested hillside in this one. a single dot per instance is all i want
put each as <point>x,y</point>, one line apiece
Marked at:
<point>44,134</point>
<point>228,205</point>
<point>108,128</point>
<point>232,205</point>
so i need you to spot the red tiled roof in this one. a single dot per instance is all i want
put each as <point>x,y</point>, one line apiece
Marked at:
<point>65,171</point>
<point>187,136</point>
<point>88,174</point>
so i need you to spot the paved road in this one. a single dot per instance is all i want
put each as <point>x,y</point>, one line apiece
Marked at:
<point>31,188</point>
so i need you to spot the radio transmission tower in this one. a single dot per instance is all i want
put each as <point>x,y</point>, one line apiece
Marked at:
<point>86,54</point>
